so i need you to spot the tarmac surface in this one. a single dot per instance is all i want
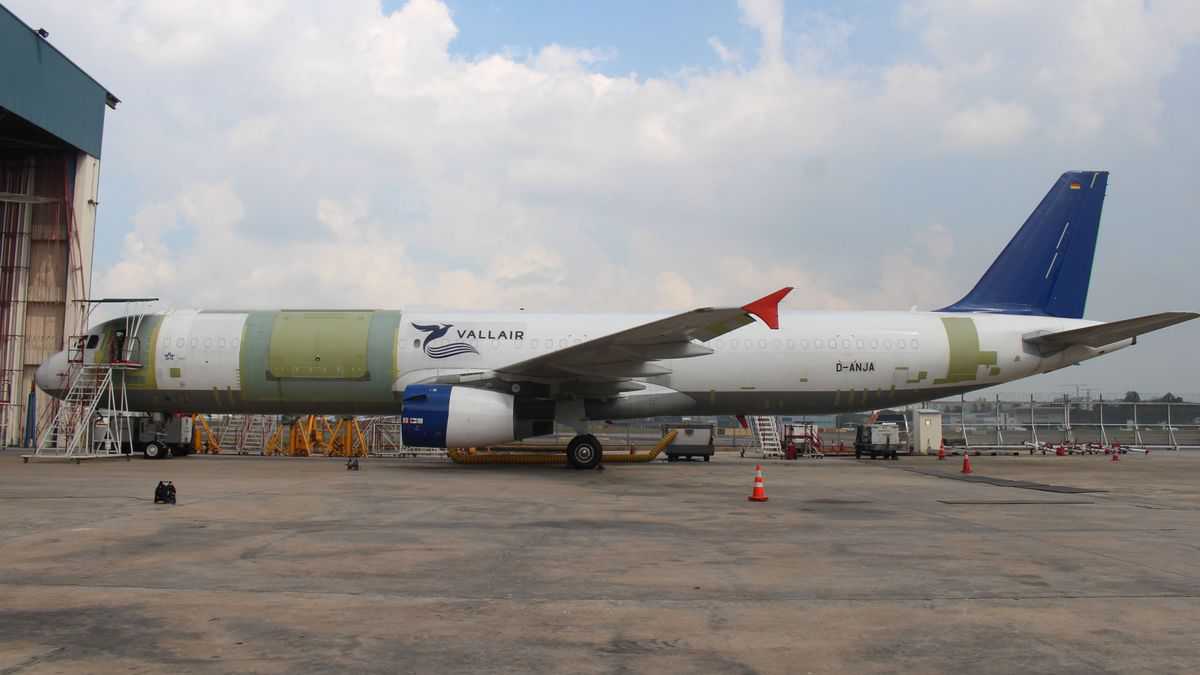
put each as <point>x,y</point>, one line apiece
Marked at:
<point>274,565</point>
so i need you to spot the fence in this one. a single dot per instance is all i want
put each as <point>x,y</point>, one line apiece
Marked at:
<point>1006,424</point>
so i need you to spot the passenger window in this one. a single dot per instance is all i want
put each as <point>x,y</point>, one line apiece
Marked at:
<point>92,341</point>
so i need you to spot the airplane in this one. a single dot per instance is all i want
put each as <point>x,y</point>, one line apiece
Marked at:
<point>478,379</point>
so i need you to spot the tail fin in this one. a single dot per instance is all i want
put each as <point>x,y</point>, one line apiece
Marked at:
<point>1046,267</point>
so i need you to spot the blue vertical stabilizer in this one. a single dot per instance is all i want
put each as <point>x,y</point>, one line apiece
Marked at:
<point>1046,268</point>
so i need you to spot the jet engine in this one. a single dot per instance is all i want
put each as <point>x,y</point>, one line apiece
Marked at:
<point>449,416</point>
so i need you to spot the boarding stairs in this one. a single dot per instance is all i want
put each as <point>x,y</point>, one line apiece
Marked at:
<point>93,419</point>
<point>766,434</point>
<point>91,399</point>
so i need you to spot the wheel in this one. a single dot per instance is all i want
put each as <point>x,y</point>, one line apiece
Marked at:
<point>583,452</point>
<point>707,457</point>
<point>154,451</point>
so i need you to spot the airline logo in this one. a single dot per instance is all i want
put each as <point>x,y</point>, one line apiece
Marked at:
<point>446,350</point>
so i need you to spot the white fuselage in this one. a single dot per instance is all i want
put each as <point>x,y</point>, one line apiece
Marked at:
<point>816,362</point>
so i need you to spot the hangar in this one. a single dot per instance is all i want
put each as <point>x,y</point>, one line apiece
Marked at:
<point>51,127</point>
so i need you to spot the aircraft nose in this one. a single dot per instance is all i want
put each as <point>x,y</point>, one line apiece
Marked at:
<point>51,376</point>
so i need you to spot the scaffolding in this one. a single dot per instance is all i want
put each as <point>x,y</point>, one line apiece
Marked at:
<point>385,438</point>
<point>45,260</point>
<point>93,419</point>
<point>246,434</point>
<point>271,435</point>
<point>298,437</point>
<point>204,439</point>
<point>347,439</point>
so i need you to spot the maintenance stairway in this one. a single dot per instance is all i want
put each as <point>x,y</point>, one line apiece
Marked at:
<point>93,420</point>
<point>766,433</point>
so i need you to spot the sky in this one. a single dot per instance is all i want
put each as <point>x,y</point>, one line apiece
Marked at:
<point>633,156</point>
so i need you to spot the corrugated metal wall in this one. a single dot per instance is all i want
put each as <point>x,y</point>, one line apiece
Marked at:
<point>43,270</point>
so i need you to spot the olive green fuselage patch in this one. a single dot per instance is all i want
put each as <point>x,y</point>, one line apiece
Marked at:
<point>319,345</point>
<point>965,355</point>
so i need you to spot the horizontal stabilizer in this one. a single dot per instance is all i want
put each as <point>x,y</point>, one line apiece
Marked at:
<point>1107,333</point>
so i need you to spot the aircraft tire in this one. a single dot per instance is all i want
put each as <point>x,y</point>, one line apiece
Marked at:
<point>584,452</point>
<point>154,451</point>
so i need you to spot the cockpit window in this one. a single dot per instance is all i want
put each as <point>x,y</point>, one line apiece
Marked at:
<point>92,341</point>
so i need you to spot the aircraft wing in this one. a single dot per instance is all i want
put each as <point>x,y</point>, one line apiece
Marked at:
<point>1107,333</point>
<point>629,353</point>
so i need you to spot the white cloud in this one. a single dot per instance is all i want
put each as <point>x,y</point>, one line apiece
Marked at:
<point>766,17</point>
<point>724,53</point>
<point>989,124</point>
<point>315,154</point>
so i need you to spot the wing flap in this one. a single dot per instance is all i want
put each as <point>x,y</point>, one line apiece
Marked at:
<point>1107,333</point>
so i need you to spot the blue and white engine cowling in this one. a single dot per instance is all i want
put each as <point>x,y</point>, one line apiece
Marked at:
<point>448,416</point>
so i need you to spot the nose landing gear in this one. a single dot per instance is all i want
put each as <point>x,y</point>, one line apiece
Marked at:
<point>584,452</point>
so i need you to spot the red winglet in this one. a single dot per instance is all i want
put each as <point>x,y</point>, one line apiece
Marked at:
<point>767,307</point>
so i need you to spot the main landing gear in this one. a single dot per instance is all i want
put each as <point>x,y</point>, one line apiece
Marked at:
<point>584,452</point>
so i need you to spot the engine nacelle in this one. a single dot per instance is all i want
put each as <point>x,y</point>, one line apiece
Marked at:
<point>446,416</point>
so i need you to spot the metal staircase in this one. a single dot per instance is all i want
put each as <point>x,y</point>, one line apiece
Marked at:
<point>69,432</point>
<point>93,419</point>
<point>766,433</point>
<point>247,434</point>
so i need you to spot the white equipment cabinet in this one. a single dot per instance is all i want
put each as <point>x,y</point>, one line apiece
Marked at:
<point>926,432</point>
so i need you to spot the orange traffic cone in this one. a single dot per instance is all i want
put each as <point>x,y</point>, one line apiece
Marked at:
<point>966,462</point>
<point>760,493</point>
<point>1116,456</point>
<point>942,450</point>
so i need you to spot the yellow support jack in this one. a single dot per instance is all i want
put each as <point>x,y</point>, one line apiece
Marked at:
<point>301,434</point>
<point>347,439</point>
<point>204,441</point>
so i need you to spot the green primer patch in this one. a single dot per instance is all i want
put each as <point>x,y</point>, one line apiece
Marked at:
<point>965,355</point>
<point>319,345</point>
